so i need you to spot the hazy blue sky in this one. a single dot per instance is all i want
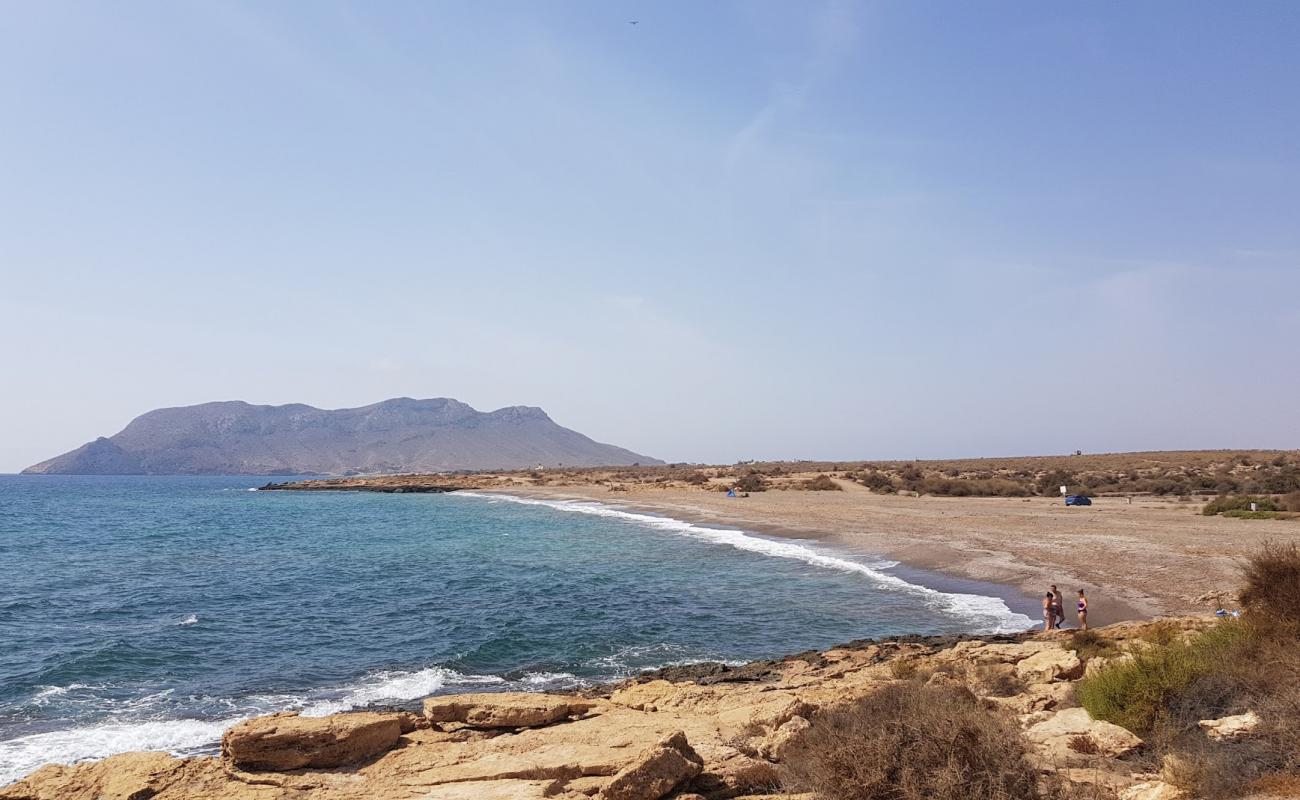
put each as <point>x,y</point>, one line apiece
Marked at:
<point>734,230</point>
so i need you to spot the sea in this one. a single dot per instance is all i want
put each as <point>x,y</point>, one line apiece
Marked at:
<point>151,613</point>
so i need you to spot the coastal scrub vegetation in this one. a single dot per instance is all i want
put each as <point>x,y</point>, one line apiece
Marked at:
<point>911,741</point>
<point>1238,503</point>
<point>1161,474</point>
<point>1250,665</point>
<point>821,483</point>
<point>1209,474</point>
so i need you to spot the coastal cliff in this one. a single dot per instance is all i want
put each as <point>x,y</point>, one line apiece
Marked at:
<point>702,731</point>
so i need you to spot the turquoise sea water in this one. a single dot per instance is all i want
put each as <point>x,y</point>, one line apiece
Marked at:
<point>151,612</point>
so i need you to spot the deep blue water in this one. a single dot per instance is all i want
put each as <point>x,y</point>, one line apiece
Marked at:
<point>151,612</point>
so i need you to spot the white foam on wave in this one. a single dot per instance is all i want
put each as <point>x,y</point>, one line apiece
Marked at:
<point>395,687</point>
<point>22,755</point>
<point>192,619</point>
<point>45,694</point>
<point>987,614</point>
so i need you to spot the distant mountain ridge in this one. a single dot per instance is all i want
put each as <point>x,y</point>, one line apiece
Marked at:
<point>399,435</point>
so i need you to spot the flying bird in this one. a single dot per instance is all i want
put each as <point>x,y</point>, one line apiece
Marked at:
<point>633,21</point>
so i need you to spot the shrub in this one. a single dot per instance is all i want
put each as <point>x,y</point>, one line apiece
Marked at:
<point>877,481</point>
<point>1091,644</point>
<point>1050,483</point>
<point>1292,501</point>
<point>1271,594</point>
<point>1238,503</point>
<point>1138,694</point>
<point>821,483</point>
<point>753,482</point>
<point>912,741</point>
<point>696,478</point>
<point>1238,514</point>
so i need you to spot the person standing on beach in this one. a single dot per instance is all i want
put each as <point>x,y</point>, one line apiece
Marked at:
<point>1049,611</point>
<point>1059,607</point>
<point>1082,607</point>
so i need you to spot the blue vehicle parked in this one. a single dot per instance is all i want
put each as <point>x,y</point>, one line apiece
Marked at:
<point>1078,500</point>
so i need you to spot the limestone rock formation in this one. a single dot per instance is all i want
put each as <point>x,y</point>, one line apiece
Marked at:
<point>287,741</point>
<point>656,772</point>
<point>1061,737</point>
<point>708,733</point>
<point>504,709</point>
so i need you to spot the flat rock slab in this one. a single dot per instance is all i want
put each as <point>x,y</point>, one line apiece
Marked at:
<point>504,709</point>
<point>1056,734</point>
<point>287,741</point>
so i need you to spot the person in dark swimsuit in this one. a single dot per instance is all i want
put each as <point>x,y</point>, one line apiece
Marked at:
<point>1082,607</point>
<point>1058,605</point>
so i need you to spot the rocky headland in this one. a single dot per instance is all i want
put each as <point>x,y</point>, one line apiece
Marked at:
<point>702,731</point>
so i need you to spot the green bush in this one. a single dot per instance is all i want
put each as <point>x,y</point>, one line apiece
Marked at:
<point>1238,503</point>
<point>1137,694</point>
<point>1238,514</point>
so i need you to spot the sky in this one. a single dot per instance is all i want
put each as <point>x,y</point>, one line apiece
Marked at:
<point>733,230</point>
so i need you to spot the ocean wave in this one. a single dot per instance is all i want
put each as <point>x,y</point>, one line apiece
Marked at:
<point>394,687</point>
<point>180,736</point>
<point>192,619</point>
<point>135,724</point>
<point>986,614</point>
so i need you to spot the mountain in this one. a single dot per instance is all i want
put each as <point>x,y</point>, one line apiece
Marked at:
<point>401,435</point>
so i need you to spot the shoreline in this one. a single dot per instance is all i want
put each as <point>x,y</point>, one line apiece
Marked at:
<point>886,574</point>
<point>944,566</point>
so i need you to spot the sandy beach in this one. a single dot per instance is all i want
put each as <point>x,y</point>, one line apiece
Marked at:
<point>1136,559</point>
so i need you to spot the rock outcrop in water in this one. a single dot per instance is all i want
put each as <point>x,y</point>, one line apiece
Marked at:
<point>710,732</point>
<point>402,435</point>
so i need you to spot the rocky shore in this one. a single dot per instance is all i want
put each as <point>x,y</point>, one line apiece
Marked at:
<point>704,731</point>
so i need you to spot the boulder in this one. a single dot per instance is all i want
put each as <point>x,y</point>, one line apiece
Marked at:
<point>774,747</point>
<point>1098,663</point>
<point>657,771</point>
<point>1230,727</point>
<point>1060,736</point>
<point>287,741</point>
<point>504,709</point>
<point>1049,665</point>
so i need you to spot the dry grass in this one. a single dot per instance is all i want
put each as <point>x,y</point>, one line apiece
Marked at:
<point>1271,593</point>
<point>912,741</point>
<point>1083,743</point>
<point>1091,644</point>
